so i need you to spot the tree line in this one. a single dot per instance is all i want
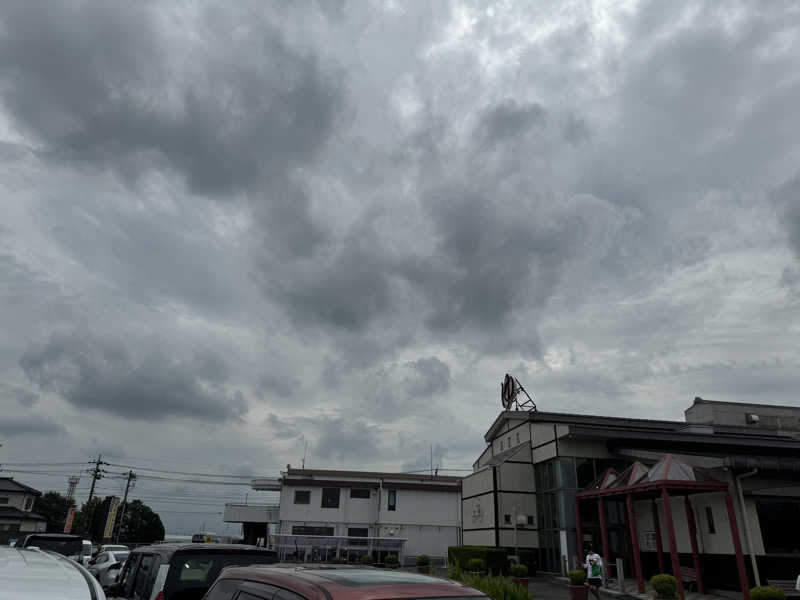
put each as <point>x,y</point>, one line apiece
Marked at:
<point>140,524</point>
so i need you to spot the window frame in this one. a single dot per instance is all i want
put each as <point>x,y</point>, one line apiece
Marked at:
<point>4,500</point>
<point>327,491</point>
<point>296,492</point>
<point>391,500</point>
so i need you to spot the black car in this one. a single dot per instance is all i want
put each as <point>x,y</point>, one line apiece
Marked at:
<point>181,571</point>
<point>62,543</point>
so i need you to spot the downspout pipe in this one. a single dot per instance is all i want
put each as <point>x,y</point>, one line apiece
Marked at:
<point>746,521</point>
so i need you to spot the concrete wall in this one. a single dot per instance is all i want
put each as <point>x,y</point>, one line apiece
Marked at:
<point>350,509</point>
<point>720,413</point>
<point>515,477</point>
<point>478,512</point>
<point>479,482</point>
<point>478,538</point>
<point>419,507</point>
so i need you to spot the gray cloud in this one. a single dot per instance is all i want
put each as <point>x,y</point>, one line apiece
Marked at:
<point>507,120</point>
<point>29,425</point>
<point>429,377</point>
<point>104,375</point>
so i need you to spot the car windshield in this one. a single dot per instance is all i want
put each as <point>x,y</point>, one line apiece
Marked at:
<point>65,546</point>
<point>119,556</point>
<point>192,573</point>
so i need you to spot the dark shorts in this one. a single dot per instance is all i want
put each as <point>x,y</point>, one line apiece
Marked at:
<point>594,581</point>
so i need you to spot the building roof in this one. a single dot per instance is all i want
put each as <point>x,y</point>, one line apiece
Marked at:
<point>7,484</point>
<point>10,512</point>
<point>699,400</point>
<point>416,477</point>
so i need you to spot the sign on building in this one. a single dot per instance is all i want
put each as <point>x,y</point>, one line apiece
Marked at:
<point>111,518</point>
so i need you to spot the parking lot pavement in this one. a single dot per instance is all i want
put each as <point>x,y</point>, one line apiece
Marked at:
<point>545,587</point>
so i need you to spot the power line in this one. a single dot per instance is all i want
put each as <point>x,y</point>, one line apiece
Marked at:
<point>185,472</point>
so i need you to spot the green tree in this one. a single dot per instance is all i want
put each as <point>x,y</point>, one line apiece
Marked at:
<point>140,524</point>
<point>53,507</point>
<point>83,518</point>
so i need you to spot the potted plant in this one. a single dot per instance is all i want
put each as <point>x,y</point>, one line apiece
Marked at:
<point>475,566</point>
<point>391,561</point>
<point>665,586</point>
<point>367,559</point>
<point>577,587</point>
<point>519,573</point>
<point>767,592</point>
<point>423,564</point>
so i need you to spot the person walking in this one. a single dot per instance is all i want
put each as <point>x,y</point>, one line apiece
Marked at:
<point>594,572</point>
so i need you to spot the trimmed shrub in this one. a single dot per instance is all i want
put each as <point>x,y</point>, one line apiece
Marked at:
<point>666,586</point>
<point>391,559</point>
<point>767,592</point>
<point>367,559</point>
<point>577,577</point>
<point>497,588</point>
<point>519,571</point>
<point>337,560</point>
<point>495,559</point>
<point>423,560</point>
<point>475,564</point>
<point>529,558</point>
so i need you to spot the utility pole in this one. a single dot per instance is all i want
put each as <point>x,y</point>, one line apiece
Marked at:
<point>97,473</point>
<point>131,478</point>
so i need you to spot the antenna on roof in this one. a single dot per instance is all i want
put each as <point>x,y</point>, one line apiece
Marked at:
<point>509,391</point>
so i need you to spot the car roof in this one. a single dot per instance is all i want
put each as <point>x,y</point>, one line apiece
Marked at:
<point>172,548</point>
<point>55,536</point>
<point>32,573</point>
<point>352,583</point>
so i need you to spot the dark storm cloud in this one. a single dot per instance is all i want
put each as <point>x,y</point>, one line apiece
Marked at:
<point>333,438</point>
<point>429,377</point>
<point>508,119</point>
<point>103,374</point>
<point>32,425</point>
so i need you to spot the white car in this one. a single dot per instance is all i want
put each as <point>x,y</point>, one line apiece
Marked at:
<point>114,548</point>
<point>33,574</point>
<point>99,566</point>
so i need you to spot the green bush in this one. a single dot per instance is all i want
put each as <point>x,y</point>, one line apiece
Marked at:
<point>577,577</point>
<point>529,558</point>
<point>519,570</point>
<point>767,592</point>
<point>497,588</point>
<point>475,564</point>
<point>391,559</point>
<point>666,586</point>
<point>337,560</point>
<point>423,560</point>
<point>495,559</point>
<point>367,559</point>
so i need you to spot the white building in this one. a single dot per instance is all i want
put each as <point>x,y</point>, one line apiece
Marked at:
<point>322,513</point>
<point>16,510</point>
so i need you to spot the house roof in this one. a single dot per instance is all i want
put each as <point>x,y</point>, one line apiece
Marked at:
<point>416,477</point>
<point>7,484</point>
<point>10,512</point>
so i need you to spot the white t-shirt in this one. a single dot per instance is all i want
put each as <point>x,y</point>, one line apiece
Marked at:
<point>599,561</point>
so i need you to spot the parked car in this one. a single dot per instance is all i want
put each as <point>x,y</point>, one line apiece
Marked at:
<point>328,582</point>
<point>101,563</point>
<point>181,571</point>
<point>34,574</point>
<point>113,548</point>
<point>65,544</point>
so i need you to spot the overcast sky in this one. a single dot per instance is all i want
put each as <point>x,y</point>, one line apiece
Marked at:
<point>230,229</point>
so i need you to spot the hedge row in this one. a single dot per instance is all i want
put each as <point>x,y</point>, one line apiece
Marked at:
<point>494,559</point>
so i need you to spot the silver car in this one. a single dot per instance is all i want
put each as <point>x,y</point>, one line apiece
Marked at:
<point>101,566</point>
<point>34,574</point>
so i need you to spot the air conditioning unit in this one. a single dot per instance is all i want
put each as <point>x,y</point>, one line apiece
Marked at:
<point>522,520</point>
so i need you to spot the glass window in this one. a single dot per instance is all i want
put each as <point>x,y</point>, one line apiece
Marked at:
<point>507,518</point>
<point>224,589</point>
<point>3,500</point>
<point>191,573</point>
<point>143,583</point>
<point>28,503</point>
<point>501,446</point>
<point>584,470</point>
<point>710,520</point>
<point>287,595</point>
<point>302,497</point>
<point>128,575</point>
<point>518,437</point>
<point>391,498</point>
<point>246,596</point>
<point>775,518</point>
<point>530,519</point>
<point>359,493</point>
<point>330,497</point>
<point>357,532</point>
<point>565,472</point>
<point>311,530</point>
<point>509,441</point>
